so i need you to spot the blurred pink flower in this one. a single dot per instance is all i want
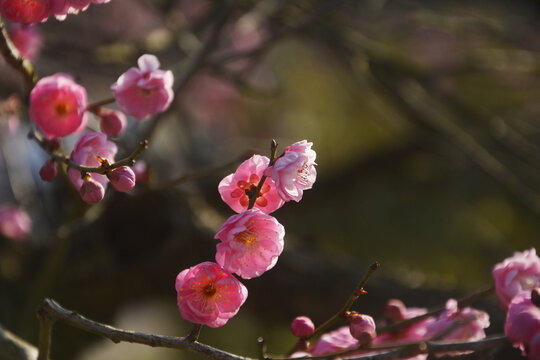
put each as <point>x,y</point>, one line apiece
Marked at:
<point>87,150</point>
<point>144,91</point>
<point>362,328</point>
<point>58,106</point>
<point>15,223</point>
<point>209,295</point>
<point>25,11</point>
<point>112,122</point>
<point>122,178</point>
<point>515,274</point>
<point>534,348</point>
<point>294,171</point>
<point>522,321</point>
<point>396,311</point>
<point>142,172</point>
<point>337,340</point>
<point>27,39</point>
<point>251,243</point>
<point>61,8</point>
<point>302,327</point>
<point>234,188</point>
<point>456,324</point>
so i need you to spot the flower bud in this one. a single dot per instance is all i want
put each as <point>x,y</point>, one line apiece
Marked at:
<point>112,122</point>
<point>122,178</point>
<point>52,144</point>
<point>91,191</point>
<point>395,311</point>
<point>362,328</point>
<point>303,327</point>
<point>142,172</point>
<point>49,170</point>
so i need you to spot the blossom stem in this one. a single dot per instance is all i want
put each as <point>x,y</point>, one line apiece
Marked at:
<point>253,197</point>
<point>195,333</point>
<point>15,60</point>
<point>359,290</point>
<point>94,107</point>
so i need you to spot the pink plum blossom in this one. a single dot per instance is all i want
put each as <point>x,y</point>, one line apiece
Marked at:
<point>142,172</point>
<point>294,171</point>
<point>251,243</point>
<point>122,178</point>
<point>470,324</point>
<point>25,11</point>
<point>522,320</point>
<point>235,188</point>
<point>515,274</point>
<point>533,352</point>
<point>337,340</point>
<point>144,91</point>
<point>15,223</point>
<point>209,295</point>
<point>112,122</point>
<point>27,39</point>
<point>58,106</point>
<point>88,150</point>
<point>362,328</point>
<point>302,327</point>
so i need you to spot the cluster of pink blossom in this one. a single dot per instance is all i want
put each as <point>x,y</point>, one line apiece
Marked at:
<point>58,106</point>
<point>36,11</point>
<point>451,324</point>
<point>517,282</point>
<point>252,240</point>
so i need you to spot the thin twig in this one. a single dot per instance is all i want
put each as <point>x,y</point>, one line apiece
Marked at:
<point>255,194</point>
<point>56,312</point>
<point>359,290</point>
<point>15,60</point>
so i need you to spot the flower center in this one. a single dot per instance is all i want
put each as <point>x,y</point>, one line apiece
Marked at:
<point>61,108</point>
<point>302,177</point>
<point>246,237</point>
<point>209,290</point>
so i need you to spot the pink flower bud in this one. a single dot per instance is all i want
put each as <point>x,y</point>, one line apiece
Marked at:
<point>25,11</point>
<point>49,170</point>
<point>112,122</point>
<point>91,191</point>
<point>303,327</point>
<point>362,328</point>
<point>58,106</point>
<point>144,91</point>
<point>395,310</point>
<point>122,178</point>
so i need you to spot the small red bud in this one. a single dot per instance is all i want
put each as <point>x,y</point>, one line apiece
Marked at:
<point>49,170</point>
<point>362,328</point>
<point>303,327</point>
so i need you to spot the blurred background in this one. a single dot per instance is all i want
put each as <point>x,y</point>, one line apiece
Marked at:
<point>425,116</point>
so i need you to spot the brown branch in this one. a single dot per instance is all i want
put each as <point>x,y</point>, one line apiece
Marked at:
<point>15,60</point>
<point>60,157</point>
<point>59,314</point>
<point>13,347</point>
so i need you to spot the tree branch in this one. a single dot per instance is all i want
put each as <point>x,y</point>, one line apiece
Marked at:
<point>57,313</point>
<point>13,347</point>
